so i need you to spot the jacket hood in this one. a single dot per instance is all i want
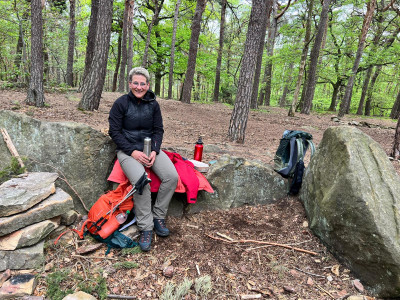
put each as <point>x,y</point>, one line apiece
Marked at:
<point>149,96</point>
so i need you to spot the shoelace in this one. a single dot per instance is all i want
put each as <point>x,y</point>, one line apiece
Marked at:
<point>161,222</point>
<point>145,237</point>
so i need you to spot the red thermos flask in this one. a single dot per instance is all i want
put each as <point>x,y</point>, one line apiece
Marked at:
<point>198,150</point>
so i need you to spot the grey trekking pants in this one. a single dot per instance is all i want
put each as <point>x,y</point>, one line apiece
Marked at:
<point>165,170</point>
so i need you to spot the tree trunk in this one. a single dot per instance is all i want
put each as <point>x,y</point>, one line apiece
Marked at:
<point>115,77</point>
<point>370,90</point>
<point>396,143</point>
<point>265,95</point>
<point>91,40</point>
<point>220,48</point>
<point>256,82</point>
<point>364,90</point>
<point>130,41</point>
<point>395,113</point>
<point>303,59</point>
<point>282,100</point>
<point>194,42</point>
<point>35,91</point>
<point>314,55</point>
<point>172,57</point>
<point>157,9</point>
<point>345,105</point>
<point>124,54</point>
<point>71,44</point>
<point>94,81</point>
<point>238,122</point>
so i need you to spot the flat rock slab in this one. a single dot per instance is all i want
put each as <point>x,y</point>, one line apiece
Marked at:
<point>79,296</point>
<point>53,206</point>
<point>22,259</point>
<point>29,235</point>
<point>18,286</point>
<point>20,194</point>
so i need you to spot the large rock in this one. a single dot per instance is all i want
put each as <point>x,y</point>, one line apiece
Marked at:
<point>53,206</point>
<point>351,194</point>
<point>19,194</point>
<point>29,235</point>
<point>82,154</point>
<point>24,258</point>
<point>18,286</point>
<point>237,182</point>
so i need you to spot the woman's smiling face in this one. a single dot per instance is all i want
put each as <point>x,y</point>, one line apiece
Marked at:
<point>139,86</point>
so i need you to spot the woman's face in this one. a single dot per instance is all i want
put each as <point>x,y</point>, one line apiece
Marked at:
<point>139,86</point>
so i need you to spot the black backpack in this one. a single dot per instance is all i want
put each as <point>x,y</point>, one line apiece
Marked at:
<point>289,158</point>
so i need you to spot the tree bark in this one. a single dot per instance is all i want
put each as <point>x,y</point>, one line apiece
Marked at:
<point>314,55</point>
<point>396,143</point>
<point>220,48</point>
<point>194,40</point>
<point>395,113</point>
<point>35,91</point>
<point>303,59</point>
<point>94,81</point>
<point>265,95</point>
<point>71,44</point>
<point>256,82</point>
<point>130,41</point>
<point>156,11</point>
<point>115,77</point>
<point>238,122</point>
<point>91,40</point>
<point>345,105</point>
<point>124,53</point>
<point>364,90</point>
<point>370,90</point>
<point>282,100</point>
<point>172,57</point>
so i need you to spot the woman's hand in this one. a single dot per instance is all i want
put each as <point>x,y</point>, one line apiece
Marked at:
<point>143,158</point>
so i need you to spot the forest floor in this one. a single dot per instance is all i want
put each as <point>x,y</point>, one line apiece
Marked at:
<point>238,270</point>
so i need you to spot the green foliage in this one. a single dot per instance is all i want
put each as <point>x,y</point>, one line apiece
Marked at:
<point>63,282</point>
<point>131,251</point>
<point>203,285</point>
<point>126,265</point>
<point>172,292</point>
<point>12,170</point>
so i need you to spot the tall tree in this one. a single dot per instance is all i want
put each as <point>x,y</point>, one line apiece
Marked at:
<point>370,90</point>
<point>130,40</point>
<point>256,81</point>
<point>124,52</point>
<point>238,122</point>
<point>71,44</point>
<point>303,59</point>
<point>35,91</point>
<point>156,12</point>
<point>345,104</point>
<point>173,42</point>
<point>91,40</point>
<point>220,48</point>
<point>314,55</point>
<point>396,144</point>
<point>193,45</point>
<point>94,81</point>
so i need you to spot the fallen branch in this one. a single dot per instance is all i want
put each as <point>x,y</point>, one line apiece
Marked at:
<point>11,146</point>
<point>308,273</point>
<point>93,257</point>
<point>111,296</point>
<point>264,243</point>
<point>325,291</point>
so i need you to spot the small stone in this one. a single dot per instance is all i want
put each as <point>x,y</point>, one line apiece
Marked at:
<point>289,289</point>
<point>358,285</point>
<point>79,296</point>
<point>294,273</point>
<point>49,266</point>
<point>356,297</point>
<point>18,286</point>
<point>168,271</point>
<point>330,278</point>
<point>305,224</point>
<point>310,281</point>
<point>89,248</point>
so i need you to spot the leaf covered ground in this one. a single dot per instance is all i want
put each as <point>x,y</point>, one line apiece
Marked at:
<point>198,260</point>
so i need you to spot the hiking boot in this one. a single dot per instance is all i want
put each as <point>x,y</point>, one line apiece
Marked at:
<point>145,240</point>
<point>160,228</point>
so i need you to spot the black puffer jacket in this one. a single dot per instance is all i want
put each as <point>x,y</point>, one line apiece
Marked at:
<point>132,119</point>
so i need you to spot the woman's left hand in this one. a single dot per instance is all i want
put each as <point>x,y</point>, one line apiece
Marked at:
<point>152,158</point>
